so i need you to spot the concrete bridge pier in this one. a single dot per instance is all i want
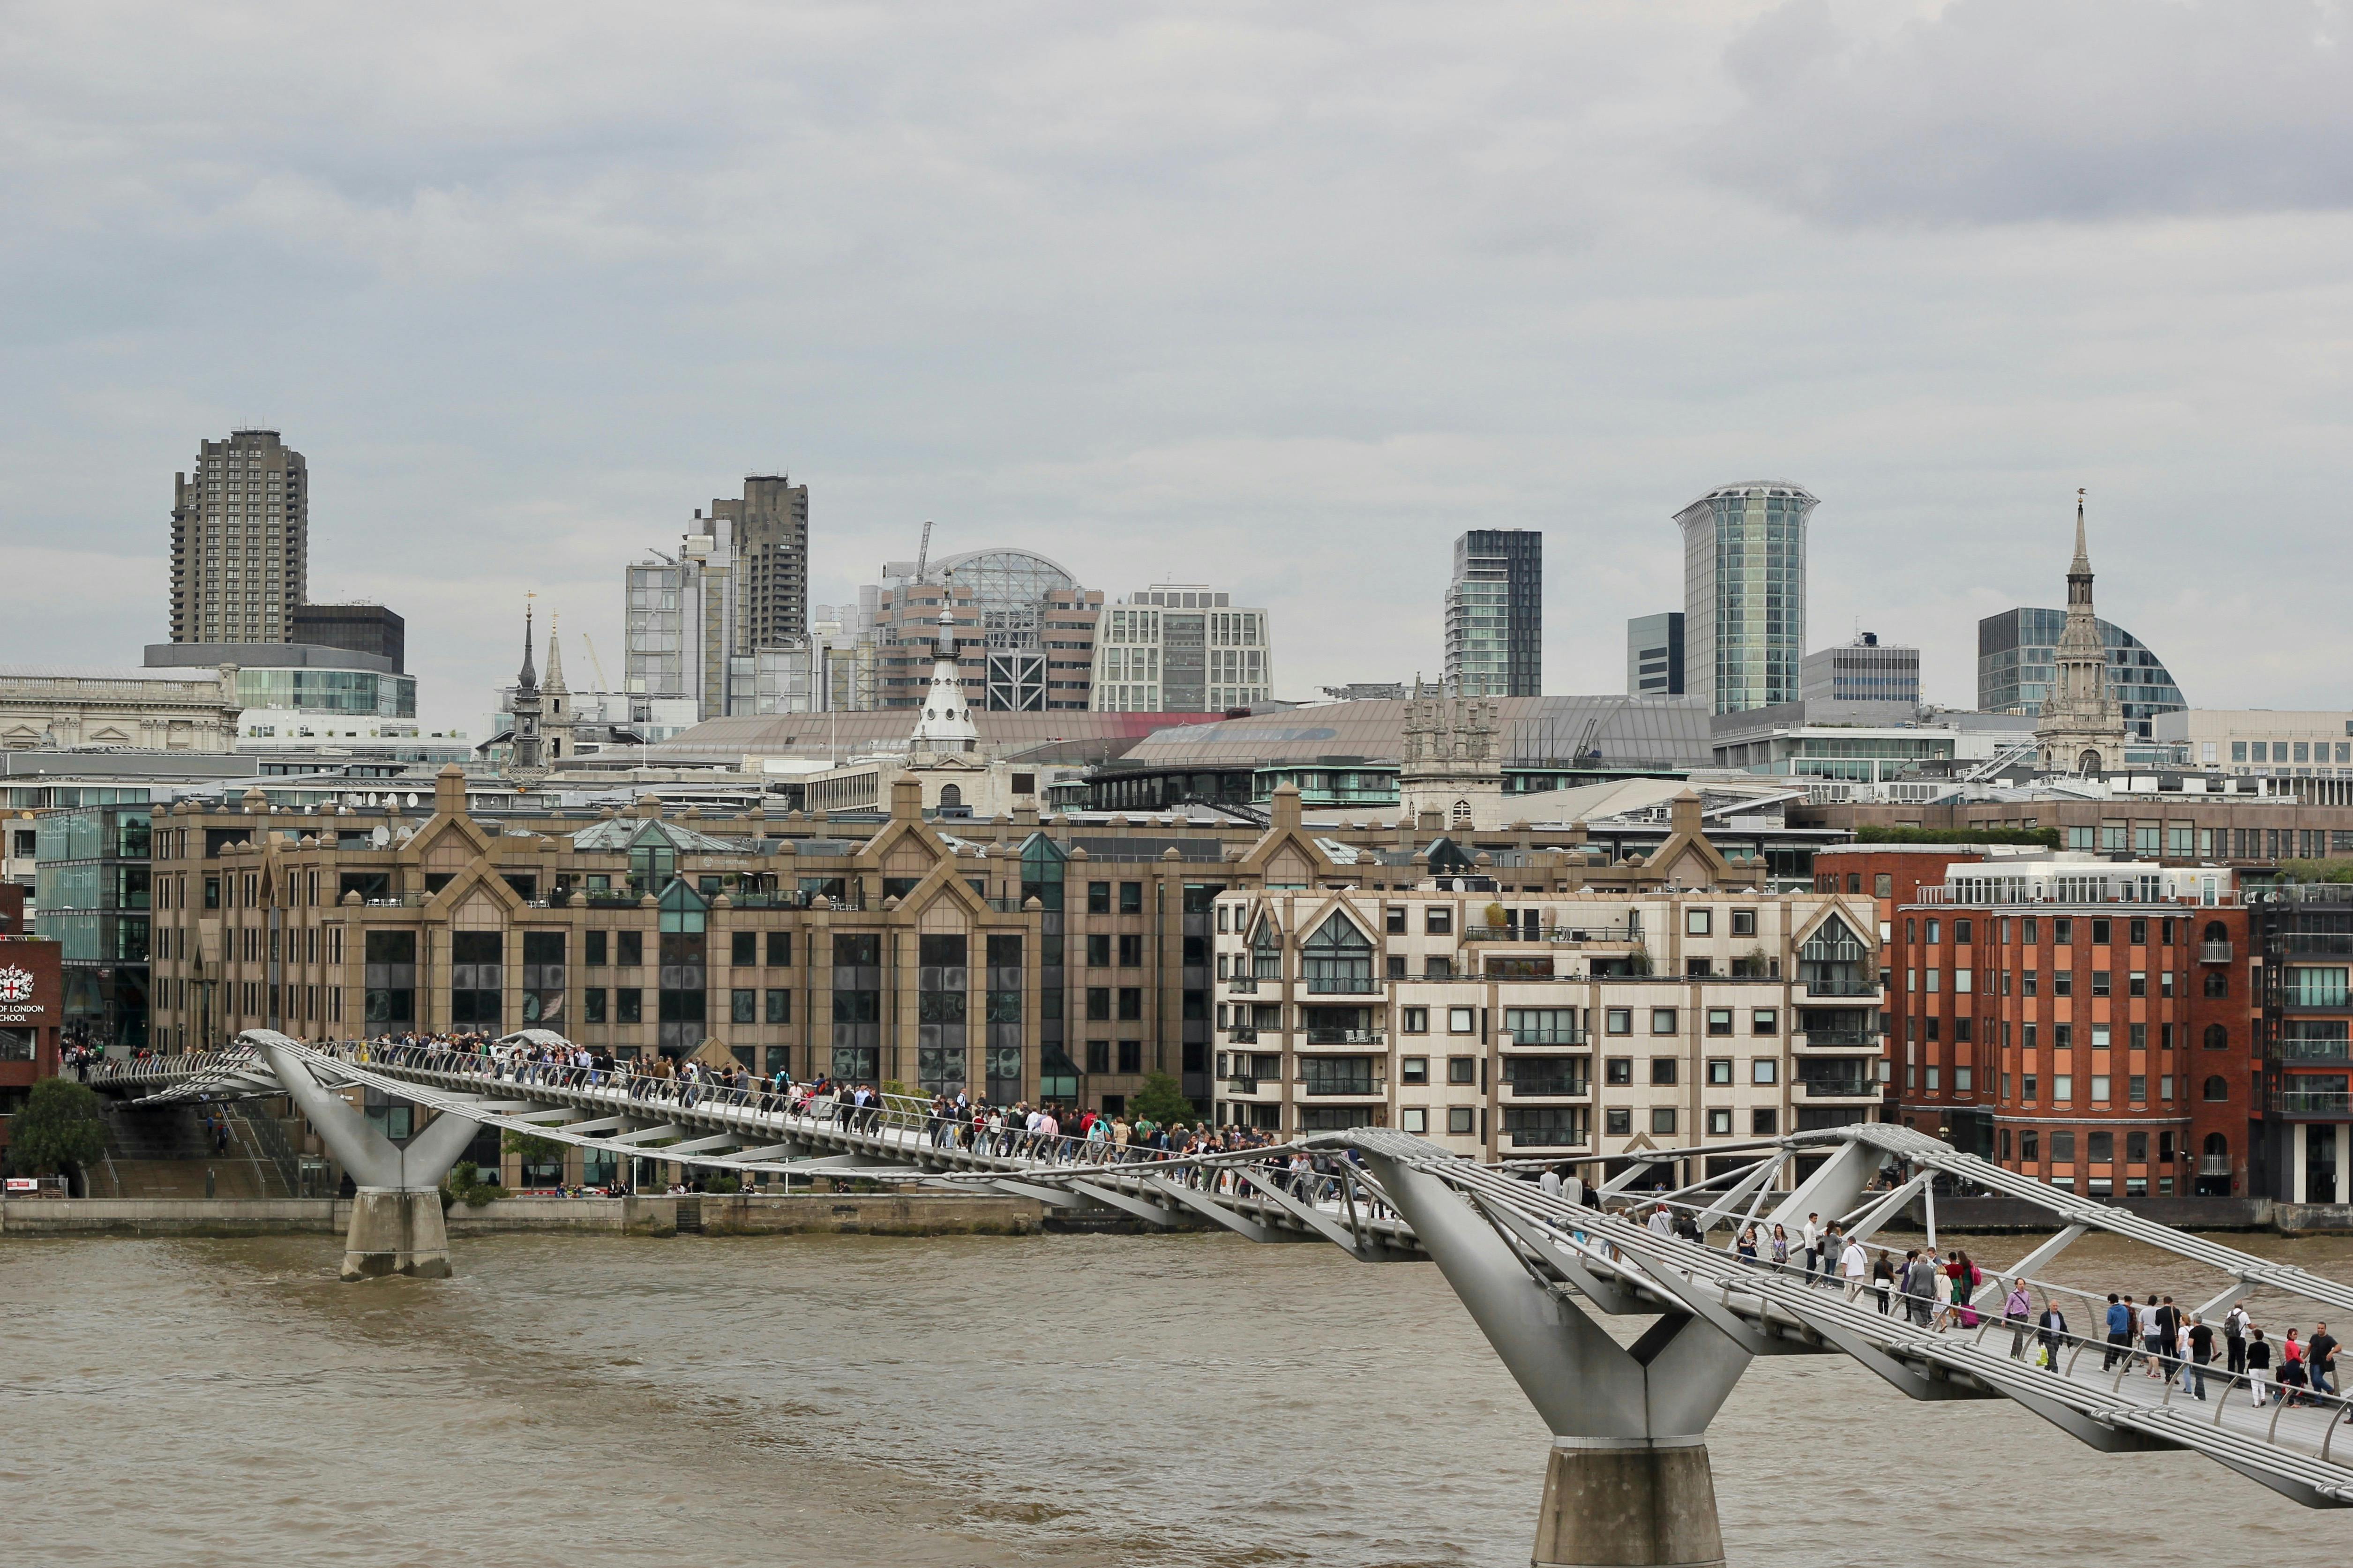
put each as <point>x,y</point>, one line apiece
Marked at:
<point>1628,1483</point>
<point>397,1225</point>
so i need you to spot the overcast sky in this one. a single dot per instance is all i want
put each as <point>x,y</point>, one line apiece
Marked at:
<point>1280,297</point>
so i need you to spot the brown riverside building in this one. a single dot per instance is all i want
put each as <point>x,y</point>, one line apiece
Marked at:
<point>989,954</point>
<point>2089,1022</point>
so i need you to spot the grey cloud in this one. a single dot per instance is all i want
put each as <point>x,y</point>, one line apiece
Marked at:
<point>2005,110</point>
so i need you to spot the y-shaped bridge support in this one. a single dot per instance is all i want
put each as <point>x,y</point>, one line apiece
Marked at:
<point>397,1225</point>
<point>1629,1482</point>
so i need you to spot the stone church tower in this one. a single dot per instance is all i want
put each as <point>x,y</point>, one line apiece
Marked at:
<point>526,763</point>
<point>1454,763</point>
<point>2082,727</point>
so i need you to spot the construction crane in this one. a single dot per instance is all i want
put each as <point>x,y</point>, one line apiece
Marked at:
<point>924,551</point>
<point>598,664</point>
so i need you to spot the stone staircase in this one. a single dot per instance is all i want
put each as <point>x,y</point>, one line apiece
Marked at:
<point>164,1151</point>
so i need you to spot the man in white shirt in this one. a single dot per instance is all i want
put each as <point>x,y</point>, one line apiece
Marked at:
<point>1662,1220</point>
<point>1550,1183</point>
<point>1813,1245</point>
<point>1855,1267</point>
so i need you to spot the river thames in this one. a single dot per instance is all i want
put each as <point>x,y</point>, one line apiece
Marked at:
<point>854,1400</point>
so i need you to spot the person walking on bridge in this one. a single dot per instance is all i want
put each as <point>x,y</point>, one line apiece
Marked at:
<point>2014,1311</point>
<point>1662,1220</point>
<point>2320,1359</point>
<point>2259,1365</point>
<point>2234,1340</point>
<point>1855,1265</point>
<point>2052,1331</point>
<point>2120,1317</point>
<point>1814,1236</point>
<point>2201,1351</point>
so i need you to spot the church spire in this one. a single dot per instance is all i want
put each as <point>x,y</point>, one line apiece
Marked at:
<point>527,679</point>
<point>555,681</point>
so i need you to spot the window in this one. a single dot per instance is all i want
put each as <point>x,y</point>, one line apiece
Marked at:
<point>1131,898</point>
<point>1098,898</point>
<point>2139,932</point>
<point>1461,1020</point>
<point>1695,921</point>
<point>2137,1088</point>
<point>1663,1020</point>
<point>1099,1056</point>
<point>1414,1020</point>
<point>1438,920</point>
<point>1764,1123</point>
<point>1392,920</point>
<point>592,1005</point>
<point>628,1006</point>
<point>2062,983</point>
<point>1719,1020</point>
<point>2027,1088</point>
<point>1617,1021</point>
<point>2100,933</point>
<point>1662,1069</point>
<point>1130,1057</point>
<point>1744,922</point>
<point>1131,952</point>
<point>1662,1119</point>
<point>1618,1070</point>
<point>1131,1002</point>
<point>2063,1088</point>
<point>2062,932</point>
<point>1460,1119</point>
<point>1719,1122</point>
<point>1719,1071</point>
<point>2218,1038</point>
<point>2218,983</point>
<point>1413,1119</point>
<point>1097,1001</point>
<point>1413,1069</point>
<point>1763,1071</point>
<point>2218,1089</point>
<point>2063,1148</point>
<point>743,1006</point>
<point>632,949</point>
<point>2100,986</point>
<point>744,949</point>
<point>1961,932</point>
<point>1964,1079</point>
<point>2100,1088</point>
<point>2029,1146</point>
<point>780,1005</point>
<point>1618,1122</point>
<point>1764,1021</point>
<point>594,945</point>
<point>1936,931</point>
<point>1098,950</point>
<point>780,950</point>
<point>1463,1070</point>
<point>2028,980</point>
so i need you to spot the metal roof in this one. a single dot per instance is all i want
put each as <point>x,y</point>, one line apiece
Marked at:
<point>1669,732</point>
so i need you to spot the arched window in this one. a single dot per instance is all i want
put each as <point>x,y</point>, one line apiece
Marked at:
<point>1338,957</point>
<point>1266,951</point>
<point>2217,1087</point>
<point>2217,931</point>
<point>2218,1147</point>
<point>950,797</point>
<point>1461,813</point>
<point>2218,984</point>
<point>2218,1038</point>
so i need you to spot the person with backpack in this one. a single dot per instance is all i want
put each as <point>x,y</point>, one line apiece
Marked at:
<point>2234,1340</point>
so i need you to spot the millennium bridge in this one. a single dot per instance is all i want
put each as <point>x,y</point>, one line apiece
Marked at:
<point>1628,1482</point>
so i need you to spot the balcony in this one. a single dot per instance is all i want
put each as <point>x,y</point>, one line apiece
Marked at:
<point>2214,1165</point>
<point>1836,1039</point>
<point>1344,1089</point>
<point>2321,1103</point>
<point>2214,953</point>
<point>1244,986</point>
<point>1823,985</point>
<point>1840,1088</point>
<point>2316,1051</point>
<point>1346,1037</point>
<point>1563,1087</point>
<point>1567,1138</point>
<point>1241,1085</point>
<point>1243,1035</point>
<point>1557,935</point>
<point>1545,1040</point>
<point>1342,985</point>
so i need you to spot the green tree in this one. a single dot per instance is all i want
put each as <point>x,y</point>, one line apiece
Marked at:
<point>58,1130</point>
<point>1161,1101</point>
<point>533,1149</point>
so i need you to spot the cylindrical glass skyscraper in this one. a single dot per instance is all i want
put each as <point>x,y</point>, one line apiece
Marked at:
<point>1744,594</point>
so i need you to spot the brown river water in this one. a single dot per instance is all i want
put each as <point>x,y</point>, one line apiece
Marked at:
<point>597,1402</point>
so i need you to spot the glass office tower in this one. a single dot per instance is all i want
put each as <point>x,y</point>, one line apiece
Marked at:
<point>1744,594</point>
<point>1494,614</point>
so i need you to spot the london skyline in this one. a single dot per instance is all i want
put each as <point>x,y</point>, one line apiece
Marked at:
<point>1134,291</point>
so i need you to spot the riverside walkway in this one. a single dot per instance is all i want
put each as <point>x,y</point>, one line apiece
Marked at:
<point>1628,1480</point>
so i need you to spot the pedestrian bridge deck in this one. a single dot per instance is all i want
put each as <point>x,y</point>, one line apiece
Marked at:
<point>1574,1257</point>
